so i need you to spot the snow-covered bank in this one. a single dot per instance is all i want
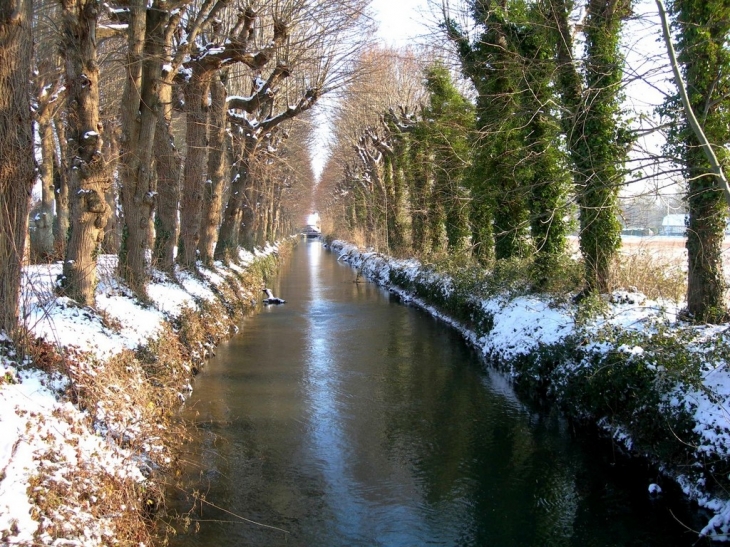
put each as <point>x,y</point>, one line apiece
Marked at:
<point>85,413</point>
<point>659,386</point>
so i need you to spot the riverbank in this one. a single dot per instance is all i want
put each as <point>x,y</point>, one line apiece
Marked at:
<point>658,386</point>
<point>87,401</point>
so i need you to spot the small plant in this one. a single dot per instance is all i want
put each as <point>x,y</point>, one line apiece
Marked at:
<point>657,276</point>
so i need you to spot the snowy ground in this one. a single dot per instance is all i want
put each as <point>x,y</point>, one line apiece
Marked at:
<point>523,323</point>
<point>46,439</point>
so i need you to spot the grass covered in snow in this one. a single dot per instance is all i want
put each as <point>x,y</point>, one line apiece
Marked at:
<point>87,409</point>
<point>659,386</point>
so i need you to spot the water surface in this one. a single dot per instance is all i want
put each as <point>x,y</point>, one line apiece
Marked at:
<point>344,418</point>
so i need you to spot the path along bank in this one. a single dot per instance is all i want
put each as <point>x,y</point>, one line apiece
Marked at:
<point>88,406</point>
<point>659,387</point>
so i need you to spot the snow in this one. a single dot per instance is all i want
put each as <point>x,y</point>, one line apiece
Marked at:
<point>44,435</point>
<point>46,439</point>
<point>522,324</point>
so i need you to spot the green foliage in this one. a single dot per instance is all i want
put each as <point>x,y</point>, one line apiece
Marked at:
<point>440,156</point>
<point>629,379</point>
<point>519,181</point>
<point>702,51</point>
<point>596,139</point>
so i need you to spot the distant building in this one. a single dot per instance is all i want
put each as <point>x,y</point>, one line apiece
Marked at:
<point>674,225</point>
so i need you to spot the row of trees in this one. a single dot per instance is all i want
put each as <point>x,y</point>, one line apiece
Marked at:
<point>163,126</point>
<point>542,141</point>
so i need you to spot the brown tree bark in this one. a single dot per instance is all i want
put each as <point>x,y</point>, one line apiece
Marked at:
<point>89,179</point>
<point>140,106</point>
<point>169,167</point>
<point>113,230</point>
<point>213,191</point>
<point>48,97</point>
<point>235,213</point>
<point>196,92</point>
<point>16,158</point>
<point>41,237</point>
<point>204,67</point>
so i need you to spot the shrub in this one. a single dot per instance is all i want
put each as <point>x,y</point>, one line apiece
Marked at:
<point>630,379</point>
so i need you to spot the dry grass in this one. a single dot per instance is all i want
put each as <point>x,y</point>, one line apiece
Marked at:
<point>657,276</point>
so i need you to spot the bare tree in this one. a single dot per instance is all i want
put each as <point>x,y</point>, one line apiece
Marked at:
<point>89,178</point>
<point>16,140</point>
<point>48,95</point>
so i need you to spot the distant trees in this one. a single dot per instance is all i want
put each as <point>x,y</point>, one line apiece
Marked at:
<point>403,152</point>
<point>422,162</point>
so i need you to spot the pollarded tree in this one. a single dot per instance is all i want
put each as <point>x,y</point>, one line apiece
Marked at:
<point>447,122</point>
<point>139,116</point>
<point>311,65</point>
<point>89,179</point>
<point>596,139</point>
<point>16,141</point>
<point>48,103</point>
<point>704,27</point>
<point>370,149</point>
<point>48,99</point>
<point>238,45</point>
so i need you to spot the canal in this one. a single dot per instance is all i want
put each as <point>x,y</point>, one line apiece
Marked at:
<point>343,418</point>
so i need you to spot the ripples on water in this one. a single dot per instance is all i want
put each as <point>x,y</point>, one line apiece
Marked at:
<point>348,419</point>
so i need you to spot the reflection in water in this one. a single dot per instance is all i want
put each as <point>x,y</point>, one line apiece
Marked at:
<point>346,419</point>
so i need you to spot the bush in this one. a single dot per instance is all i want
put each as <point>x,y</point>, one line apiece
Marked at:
<point>630,380</point>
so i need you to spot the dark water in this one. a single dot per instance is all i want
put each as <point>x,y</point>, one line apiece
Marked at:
<point>346,419</point>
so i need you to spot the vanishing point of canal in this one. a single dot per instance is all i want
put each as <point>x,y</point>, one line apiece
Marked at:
<point>344,418</point>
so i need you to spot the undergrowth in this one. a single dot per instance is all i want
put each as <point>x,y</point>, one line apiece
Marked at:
<point>132,400</point>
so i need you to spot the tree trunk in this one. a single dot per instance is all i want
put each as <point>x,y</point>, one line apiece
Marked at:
<point>235,213</point>
<point>168,163</point>
<point>60,182</point>
<point>213,193</point>
<point>42,243</point>
<point>139,123</point>
<point>112,232</point>
<point>196,93</point>
<point>705,60</point>
<point>246,228</point>
<point>16,143</point>
<point>89,179</point>
<point>592,129</point>
<point>421,181</point>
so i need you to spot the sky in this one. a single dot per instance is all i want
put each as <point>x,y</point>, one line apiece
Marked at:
<point>400,21</point>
